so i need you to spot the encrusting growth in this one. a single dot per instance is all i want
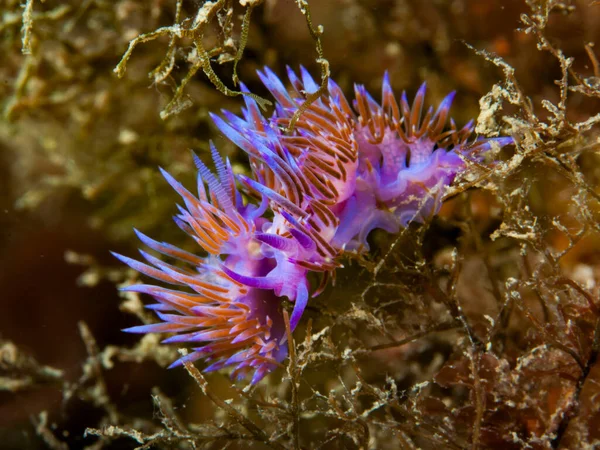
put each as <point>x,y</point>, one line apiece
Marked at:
<point>318,192</point>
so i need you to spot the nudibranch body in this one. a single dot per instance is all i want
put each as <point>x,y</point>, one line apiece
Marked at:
<point>318,192</point>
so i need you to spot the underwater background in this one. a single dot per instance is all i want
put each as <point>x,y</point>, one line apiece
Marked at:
<point>478,327</point>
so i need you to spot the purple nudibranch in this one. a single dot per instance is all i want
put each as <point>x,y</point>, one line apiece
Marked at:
<point>318,192</point>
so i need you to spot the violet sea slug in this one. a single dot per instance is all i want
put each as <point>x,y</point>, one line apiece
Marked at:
<point>345,170</point>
